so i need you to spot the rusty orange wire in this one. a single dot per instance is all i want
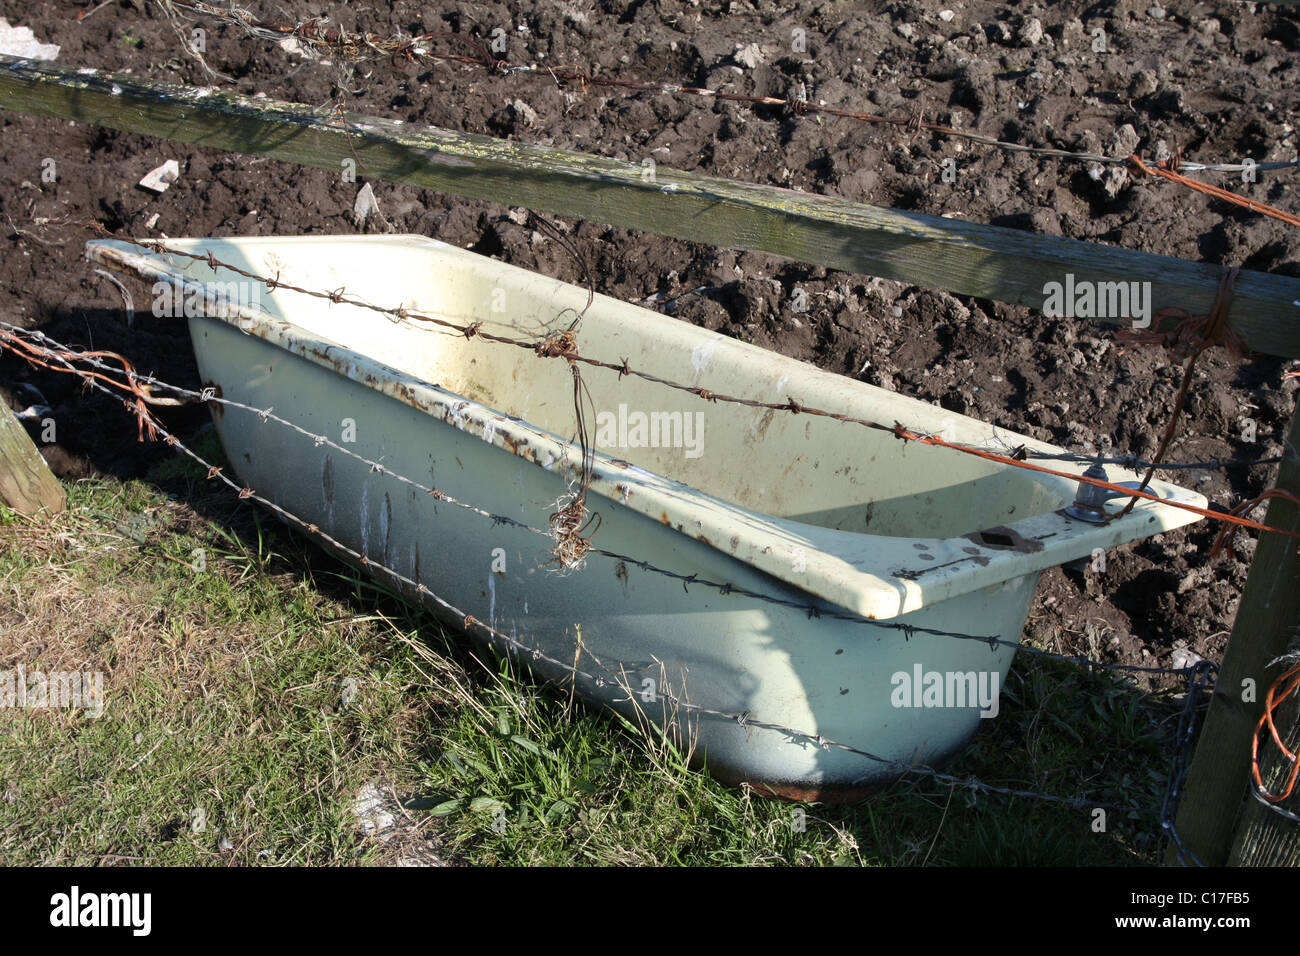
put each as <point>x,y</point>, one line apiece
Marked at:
<point>141,394</point>
<point>1222,537</point>
<point>1282,688</point>
<point>1226,517</point>
<point>1166,171</point>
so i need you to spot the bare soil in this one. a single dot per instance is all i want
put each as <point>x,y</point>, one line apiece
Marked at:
<point>1216,81</point>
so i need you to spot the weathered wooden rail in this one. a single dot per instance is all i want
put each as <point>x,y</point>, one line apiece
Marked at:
<point>966,258</point>
<point>1008,265</point>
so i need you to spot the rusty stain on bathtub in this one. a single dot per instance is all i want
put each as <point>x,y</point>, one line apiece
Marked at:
<point>365,518</point>
<point>327,486</point>
<point>386,527</point>
<point>1003,538</point>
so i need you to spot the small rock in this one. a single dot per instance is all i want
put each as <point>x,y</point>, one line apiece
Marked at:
<point>1156,12</point>
<point>749,56</point>
<point>163,176</point>
<point>946,16</point>
<point>1144,83</point>
<point>525,112</point>
<point>1030,32</point>
<point>1124,141</point>
<point>1172,100</point>
<point>1000,33</point>
<point>906,31</point>
<point>371,812</point>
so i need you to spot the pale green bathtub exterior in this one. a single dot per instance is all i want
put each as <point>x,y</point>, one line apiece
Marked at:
<point>809,510</point>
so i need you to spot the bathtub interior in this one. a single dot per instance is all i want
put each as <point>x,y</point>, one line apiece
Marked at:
<point>773,462</point>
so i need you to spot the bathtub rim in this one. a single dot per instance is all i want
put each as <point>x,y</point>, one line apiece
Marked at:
<point>876,576</point>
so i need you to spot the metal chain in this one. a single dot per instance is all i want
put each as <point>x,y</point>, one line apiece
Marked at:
<point>1199,682</point>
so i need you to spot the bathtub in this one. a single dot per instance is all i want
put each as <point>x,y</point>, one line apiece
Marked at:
<point>830,553</point>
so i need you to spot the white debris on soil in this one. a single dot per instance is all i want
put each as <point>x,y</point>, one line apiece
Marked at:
<point>294,47</point>
<point>370,810</point>
<point>20,41</point>
<point>365,207</point>
<point>163,176</point>
<point>376,813</point>
<point>1183,657</point>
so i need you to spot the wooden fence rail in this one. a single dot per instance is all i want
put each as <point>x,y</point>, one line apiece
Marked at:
<point>1008,265</point>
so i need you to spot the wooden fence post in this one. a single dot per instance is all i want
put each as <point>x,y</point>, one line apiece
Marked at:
<point>1269,608</point>
<point>26,483</point>
<point>1264,838</point>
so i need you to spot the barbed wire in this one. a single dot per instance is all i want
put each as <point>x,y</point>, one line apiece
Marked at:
<point>1197,674</point>
<point>362,46</point>
<point>573,672</point>
<point>563,344</point>
<point>208,395</point>
<point>1200,675</point>
<point>1134,462</point>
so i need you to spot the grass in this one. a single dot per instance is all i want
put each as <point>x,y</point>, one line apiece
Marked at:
<point>256,689</point>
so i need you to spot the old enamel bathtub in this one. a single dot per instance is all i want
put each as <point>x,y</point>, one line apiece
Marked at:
<point>851,521</point>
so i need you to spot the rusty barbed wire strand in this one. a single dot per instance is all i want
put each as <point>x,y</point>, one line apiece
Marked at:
<point>141,395</point>
<point>58,352</point>
<point>550,348</point>
<point>1194,335</point>
<point>365,46</point>
<point>1170,173</point>
<point>573,672</point>
<point>1134,462</point>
